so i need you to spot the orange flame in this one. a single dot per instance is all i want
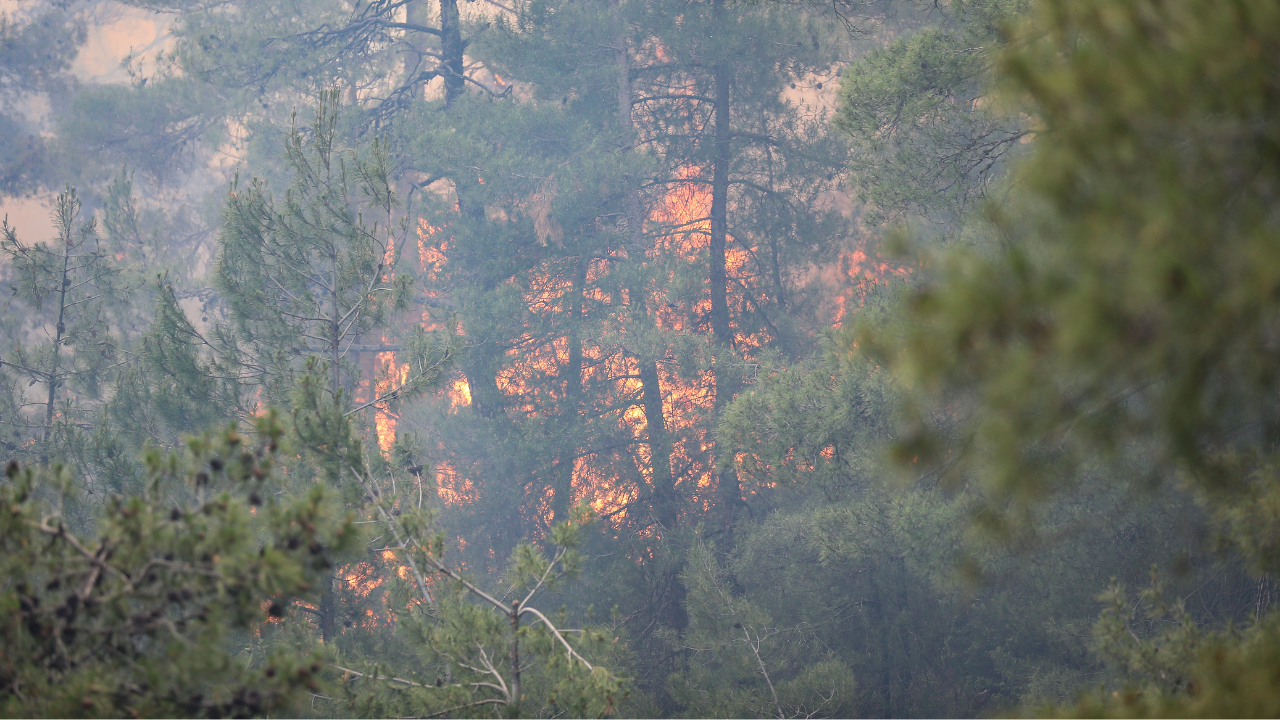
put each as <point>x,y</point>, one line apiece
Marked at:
<point>540,381</point>
<point>861,274</point>
<point>459,394</point>
<point>452,488</point>
<point>389,376</point>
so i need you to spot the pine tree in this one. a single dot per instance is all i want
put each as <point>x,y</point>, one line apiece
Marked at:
<point>571,240</point>
<point>311,277</point>
<point>144,617</point>
<point>61,293</point>
<point>1115,326</point>
<point>709,99</point>
<point>40,41</point>
<point>471,649</point>
<point>740,662</point>
<point>305,282</point>
<point>930,142</point>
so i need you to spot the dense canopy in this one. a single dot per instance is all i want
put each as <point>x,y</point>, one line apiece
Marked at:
<point>639,358</point>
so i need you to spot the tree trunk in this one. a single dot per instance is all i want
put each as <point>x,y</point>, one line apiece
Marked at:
<point>53,379</point>
<point>726,378</point>
<point>480,367</point>
<point>664,491</point>
<point>328,602</point>
<point>328,609</point>
<point>572,374</point>
<point>335,330</point>
<point>452,47</point>
<point>417,12</point>
<point>720,201</point>
<point>514,709</point>
<point>664,499</point>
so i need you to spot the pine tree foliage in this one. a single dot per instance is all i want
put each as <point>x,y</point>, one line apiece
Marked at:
<point>739,662</point>
<point>930,619</point>
<point>39,41</point>
<point>169,390</point>
<point>1174,667</point>
<point>929,142</point>
<point>310,277</point>
<point>1114,318</point>
<point>611,231</point>
<point>471,651</point>
<point>143,616</point>
<point>60,293</point>
<point>1117,325</point>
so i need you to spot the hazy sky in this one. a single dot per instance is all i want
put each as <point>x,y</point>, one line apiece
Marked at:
<point>114,32</point>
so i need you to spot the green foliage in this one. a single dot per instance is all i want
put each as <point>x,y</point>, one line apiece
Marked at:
<point>931,618</point>
<point>1107,331</point>
<point>468,650</point>
<point>739,662</point>
<point>186,395</point>
<point>571,286</point>
<point>928,140</point>
<point>148,238</point>
<point>1180,669</point>
<point>144,616</point>
<point>1113,327</point>
<point>811,423</point>
<point>170,391</point>
<point>38,44</point>
<point>60,293</point>
<point>1129,304</point>
<point>310,276</point>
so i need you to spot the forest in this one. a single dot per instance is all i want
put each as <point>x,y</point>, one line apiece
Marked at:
<point>640,358</point>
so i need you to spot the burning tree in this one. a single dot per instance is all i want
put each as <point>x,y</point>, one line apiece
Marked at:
<point>619,249</point>
<point>305,282</point>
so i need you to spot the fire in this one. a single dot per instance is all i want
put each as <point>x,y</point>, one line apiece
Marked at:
<point>389,558</point>
<point>362,577</point>
<point>459,394</point>
<point>540,500</point>
<point>685,407</point>
<point>432,252</point>
<point>549,376</point>
<point>388,376</point>
<point>433,248</point>
<point>681,221</point>
<point>862,274</point>
<point>452,488</point>
<point>268,620</point>
<point>602,492</point>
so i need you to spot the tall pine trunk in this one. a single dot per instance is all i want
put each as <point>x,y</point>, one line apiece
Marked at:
<point>664,496</point>
<point>726,379</point>
<point>417,12</point>
<point>452,48</point>
<point>573,401</point>
<point>65,222</point>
